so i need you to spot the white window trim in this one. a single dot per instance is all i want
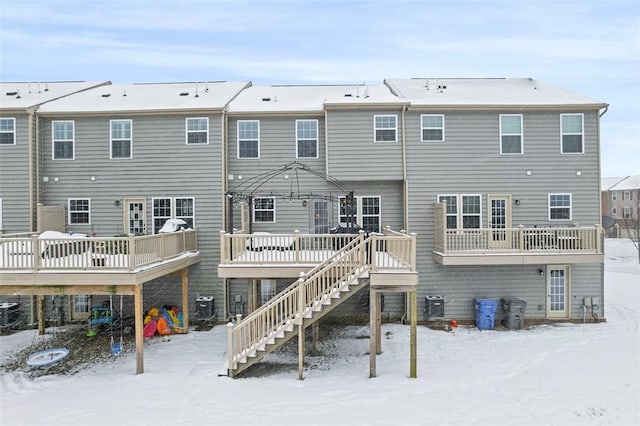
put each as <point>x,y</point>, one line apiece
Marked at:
<point>521,134</point>
<point>111,140</point>
<point>238,140</point>
<point>172,211</point>
<point>570,207</point>
<point>187,131</point>
<point>626,195</point>
<point>13,132</point>
<point>358,215</point>
<point>626,212</point>
<point>69,211</point>
<point>375,127</point>
<point>73,140</point>
<point>253,209</point>
<point>614,195</point>
<point>614,212</point>
<point>581,134</point>
<point>299,139</point>
<point>422,128</point>
<point>460,210</point>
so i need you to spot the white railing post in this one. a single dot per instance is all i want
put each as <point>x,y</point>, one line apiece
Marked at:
<point>296,246</point>
<point>35,253</point>
<point>598,237</point>
<point>223,248</point>
<point>131,243</point>
<point>521,237</point>
<point>301,299</point>
<point>230,350</point>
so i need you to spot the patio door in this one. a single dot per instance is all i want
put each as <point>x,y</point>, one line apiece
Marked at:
<point>319,217</point>
<point>558,288</point>
<point>135,216</point>
<point>499,221</point>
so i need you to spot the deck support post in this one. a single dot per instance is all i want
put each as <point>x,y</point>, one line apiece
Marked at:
<point>139,325</point>
<point>41,316</point>
<point>378,296</point>
<point>185,300</point>
<point>301,350</point>
<point>373,331</point>
<point>413,353</point>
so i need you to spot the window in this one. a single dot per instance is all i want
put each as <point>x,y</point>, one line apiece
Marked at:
<point>471,211</point>
<point>559,206</point>
<point>510,133</point>
<point>197,130</point>
<point>63,140</point>
<point>452,209</point>
<point>571,131</point>
<point>7,131</point>
<point>366,212</point>
<point>264,210</point>
<point>79,211</point>
<point>173,208</point>
<point>121,139</point>
<point>81,304</point>
<point>307,138</point>
<point>614,212</point>
<point>626,195</point>
<point>464,211</point>
<point>432,127</point>
<point>385,128</point>
<point>627,213</point>
<point>248,139</point>
<point>614,195</point>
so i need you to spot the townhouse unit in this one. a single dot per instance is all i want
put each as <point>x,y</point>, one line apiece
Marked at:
<point>475,188</point>
<point>621,205</point>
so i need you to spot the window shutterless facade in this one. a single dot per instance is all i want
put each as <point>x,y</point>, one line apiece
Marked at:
<point>626,195</point>
<point>385,128</point>
<point>121,139</point>
<point>63,140</point>
<point>197,130</point>
<point>307,138</point>
<point>572,133</point>
<point>464,211</point>
<point>511,134</point>
<point>264,210</point>
<point>7,131</point>
<point>614,195</point>
<point>248,139</point>
<point>432,127</point>
<point>79,211</point>
<point>560,207</point>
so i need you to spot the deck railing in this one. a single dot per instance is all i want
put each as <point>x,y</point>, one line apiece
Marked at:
<point>93,253</point>
<point>574,239</point>
<point>341,268</point>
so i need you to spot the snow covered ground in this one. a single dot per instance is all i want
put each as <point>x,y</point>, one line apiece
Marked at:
<point>570,374</point>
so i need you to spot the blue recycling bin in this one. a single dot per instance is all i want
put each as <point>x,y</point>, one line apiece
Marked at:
<point>485,313</point>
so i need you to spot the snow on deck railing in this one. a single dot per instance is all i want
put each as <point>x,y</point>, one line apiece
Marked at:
<point>93,253</point>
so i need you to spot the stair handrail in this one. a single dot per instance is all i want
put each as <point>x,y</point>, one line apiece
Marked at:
<point>285,308</point>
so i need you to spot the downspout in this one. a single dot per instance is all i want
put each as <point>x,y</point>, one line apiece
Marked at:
<point>33,193</point>
<point>326,143</point>
<point>405,184</point>
<point>601,237</point>
<point>224,166</point>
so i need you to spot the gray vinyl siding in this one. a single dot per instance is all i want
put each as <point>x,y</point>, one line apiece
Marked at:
<point>163,165</point>
<point>469,162</point>
<point>352,152</point>
<point>14,178</point>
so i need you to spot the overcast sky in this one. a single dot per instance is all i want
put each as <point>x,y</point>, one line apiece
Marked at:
<point>589,46</point>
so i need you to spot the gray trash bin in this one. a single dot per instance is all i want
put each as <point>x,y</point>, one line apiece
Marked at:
<point>513,312</point>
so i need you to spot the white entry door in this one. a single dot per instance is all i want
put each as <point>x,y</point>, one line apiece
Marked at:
<point>499,221</point>
<point>558,287</point>
<point>135,216</point>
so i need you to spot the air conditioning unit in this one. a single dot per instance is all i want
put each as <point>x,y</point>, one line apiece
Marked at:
<point>9,313</point>
<point>434,307</point>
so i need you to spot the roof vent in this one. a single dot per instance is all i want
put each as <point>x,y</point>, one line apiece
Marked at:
<point>266,99</point>
<point>184,93</point>
<point>106,95</point>
<point>348,95</point>
<point>12,93</point>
